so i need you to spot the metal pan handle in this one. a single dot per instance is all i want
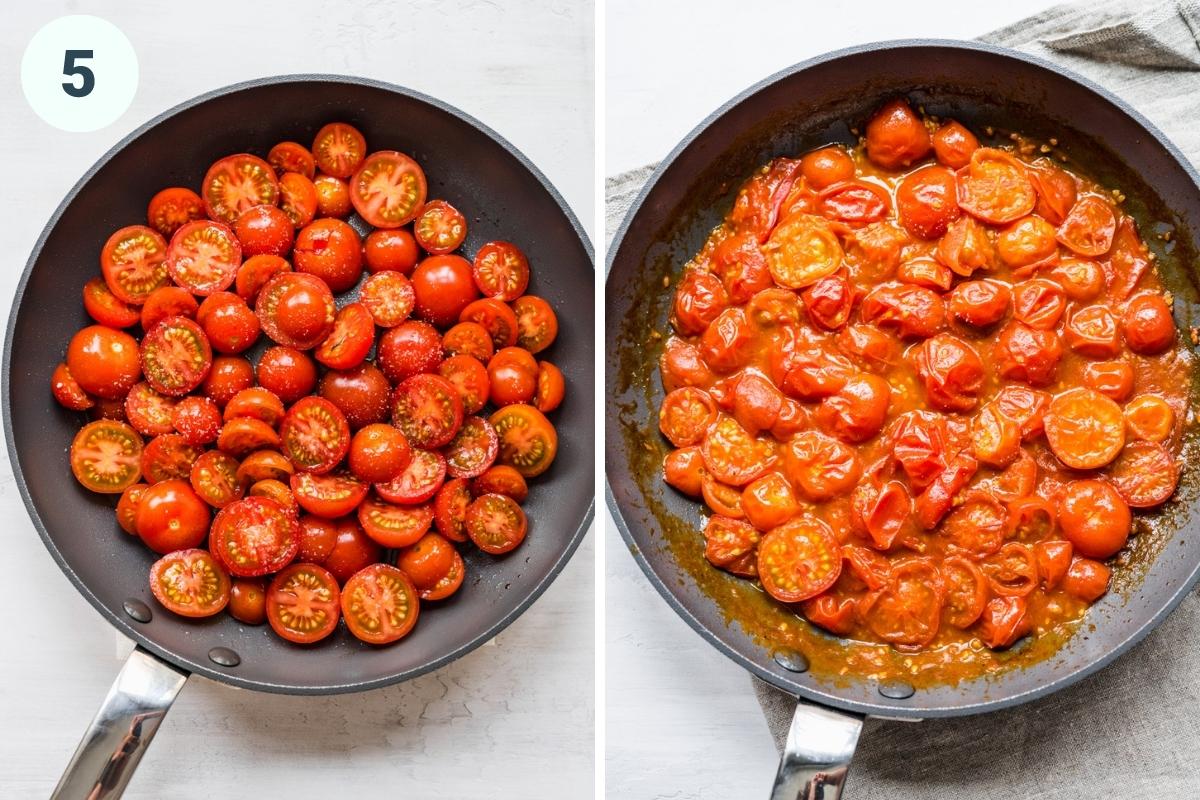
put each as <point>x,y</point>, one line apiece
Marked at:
<point>817,754</point>
<point>126,722</point>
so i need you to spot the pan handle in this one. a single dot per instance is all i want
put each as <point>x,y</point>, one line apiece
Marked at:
<point>817,754</point>
<point>122,729</point>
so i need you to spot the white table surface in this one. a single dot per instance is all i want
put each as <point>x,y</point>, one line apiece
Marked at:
<point>682,722</point>
<point>486,725</point>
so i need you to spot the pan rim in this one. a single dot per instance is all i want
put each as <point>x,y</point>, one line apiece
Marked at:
<point>883,708</point>
<point>121,624</point>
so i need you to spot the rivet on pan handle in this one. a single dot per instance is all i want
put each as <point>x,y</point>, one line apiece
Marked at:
<point>119,735</point>
<point>816,757</point>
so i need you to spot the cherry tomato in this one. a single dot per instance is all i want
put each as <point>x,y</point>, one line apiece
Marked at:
<point>1013,571</point>
<point>427,409</point>
<point>265,465</point>
<point>254,536</point>
<point>215,479</point>
<point>190,583</point>
<point>248,601</point>
<point>501,323</point>
<point>896,137</point>
<point>1089,227</point>
<point>287,373</point>
<point>241,436</point>
<point>427,561</point>
<point>951,370</point>
<point>168,457</point>
<point>292,157</point>
<point>935,500</point>
<point>172,517</point>
<point>389,296</point>
<point>67,390</point>
<point>172,208</point>
<point>352,551</point>
<point>332,495</point>
<point>106,456</point>
<point>103,361</point>
<point>503,479</point>
<point>976,525</point>
<point>966,591</point>
<point>730,543</point>
<point>1094,518</point>
<point>1150,418</point>
<point>802,250</point>
<point>1086,579</point>
<point>450,508</point>
<point>854,203</point>
<point>443,287</point>
<point>473,449</point>
<point>197,419</point>
<point>351,339</point>
<point>857,411</point>
<point>1053,561</point>
<point>303,603</point>
<point>379,604</point>
<point>363,394</point>
<point>167,301</point>
<point>1110,378</point>
<point>965,247</point>
<point>1147,324</point>
<point>235,184</point>
<point>995,437</point>
<point>410,348</point>
<point>926,202</point>
<point>907,610</point>
<point>953,145</point>
<point>699,298</point>
<point>127,507</point>
<point>394,525</point>
<point>819,466</point>
<point>1027,354</point>
<point>470,379</point>
<point>298,198</point>
<point>1039,303</point>
<point>419,481</point>
<point>980,303</point>
<point>995,187</point>
<point>440,227</point>
<point>1056,192</point>
<point>104,306</point>
<point>826,166</point>
<point>315,435</point>
<point>330,250</point>
<point>228,376</point>
<point>1093,331</point>
<point>798,560</point>
<point>264,230</point>
<point>176,356</point>
<point>133,262</point>
<point>391,250</point>
<point>1027,243</point>
<point>317,538</point>
<point>1082,280</point>
<point>1145,474</point>
<point>550,387</point>
<point>1004,621</point>
<point>254,273</point>
<point>1085,429</point>
<point>512,376</point>
<point>500,271</point>
<point>338,149</point>
<point>495,523</point>
<point>379,453</point>
<point>912,311</point>
<point>388,190</point>
<point>333,196</point>
<point>767,502</point>
<point>449,583</point>
<point>528,442</point>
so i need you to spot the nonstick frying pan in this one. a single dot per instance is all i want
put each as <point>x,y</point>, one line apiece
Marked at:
<point>808,105</point>
<point>502,195</point>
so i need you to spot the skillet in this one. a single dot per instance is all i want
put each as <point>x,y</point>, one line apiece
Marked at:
<point>811,104</point>
<point>502,195</point>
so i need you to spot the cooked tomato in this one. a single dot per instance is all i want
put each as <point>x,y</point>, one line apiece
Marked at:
<point>106,456</point>
<point>133,262</point>
<point>500,271</point>
<point>388,190</point>
<point>1110,378</point>
<point>379,453</point>
<point>854,202</point>
<point>428,410</point>
<point>926,202</point>
<point>420,480</point>
<point>926,272</point>
<point>1082,280</point>
<point>1039,303</point>
<point>966,591</point>
<point>1004,621</point>
<point>819,466</point>
<point>1094,518</point>
<point>394,525</point>
<point>391,250</point>
<point>1092,331</point>
<point>104,306</point>
<point>351,339</point>
<point>802,250</point>
<point>379,604</point>
<point>315,435</point>
<point>237,183</point>
<point>1013,571</point>
<point>190,583</point>
<point>977,523</point>
<point>1027,354</point>
<point>303,603</point>
<point>907,610</point>
<point>1086,579</point>
<point>1089,227</point>
<point>410,348</point>
<point>826,166</point>
<point>440,227</point>
<point>1027,244</point>
<point>1053,561</point>
<point>882,512</point>
<point>338,149</point>
<point>1145,474</point>
<point>896,137</point>
<point>176,356</point>
<point>912,311</point>
<point>495,523</point>
<point>798,560</point>
<point>330,250</point>
<point>953,145</point>
<point>103,361</point>
<point>287,373</point>
<point>995,187</point>
<point>1056,191</point>
<point>996,438</point>
<point>1085,429</point>
<point>1147,324</point>
<point>254,536</point>
<point>1150,418</point>
<point>856,412</point>
<point>170,516</point>
<point>172,208</point>
<point>389,297</point>
<point>729,543</point>
<point>292,157</point>
<point>296,310</point>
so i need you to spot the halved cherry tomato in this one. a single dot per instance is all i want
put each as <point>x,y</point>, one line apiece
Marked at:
<point>216,479</point>
<point>966,591</point>
<point>1149,418</point>
<point>473,449</point>
<point>331,250</point>
<point>264,465</point>
<point>338,149</point>
<point>854,202</point>
<point>1004,621</point>
<point>254,273</point>
<point>170,516</point>
<point>951,370</point>
<point>728,543</point>
<point>1094,518</point>
<point>829,301</point>
<point>264,230</point>
<point>501,271</point>
<point>819,466</point>
<point>469,378</point>
<point>731,454</point>
<point>977,524</point>
<point>1082,280</point>
<point>427,561</point>
<point>1086,579</point>
<point>550,387</point>
<point>197,419</point>
<point>237,183</point>
<point>1110,378</point>
<point>502,479</point>
<point>1147,324</point>
<point>802,250</point>
<point>1013,571</point>
<point>936,499</point>
<point>106,456</point>
<point>248,601</point>
<point>127,507</point>
<point>315,435</point>
<point>333,196</point>
<point>190,583</point>
<point>241,436</point>
<point>292,157</point>
<point>826,166</point>
<point>685,415</point>
<point>420,480</point>
<point>470,339</point>
<point>767,502</point>
<point>168,457</point>
<point>1031,518</point>
<point>450,508</point>
<point>495,523</point>
<point>912,311</point>
<point>287,373</point>
<point>133,262</point>
<point>1024,406</point>
<point>1053,561</point>
<point>699,298</point>
<point>388,190</point>
<point>352,337</point>
<point>1027,354</point>
<point>1039,303</point>
<point>1027,244</point>
<point>995,437</point>
<point>1145,474</point>
<point>277,491</point>
<point>167,301</point>
<point>1092,331</point>
<point>953,145</point>
<point>389,297</point>
<point>926,202</point>
<point>450,583</point>
<point>882,511</point>
<point>303,603</point>
<point>296,310</point>
<point>105,307</point>
<point>176,356</point>
<point>67,390</point>
<point>1085,429</point>
<point>379,604</point>
<point>228,376</point>
<point>255,536</point>
<point>995,187</point>
<point>965,247</point>
<point>907,610</point>
<point>378,453</point>
<point>149,412</point>
<point>919,444</point>
<point>393,525</point>
<point>798,560</point>
<point>1088,229</point>
<point>204,257</point>
<point>428,410</point>
<point>856,412</point>
<point>440,227</point>
<point>502,324</point>
<point>297,198</point>
<point>172,208</point>
<point>1056,191</point>
<point>722,498</point>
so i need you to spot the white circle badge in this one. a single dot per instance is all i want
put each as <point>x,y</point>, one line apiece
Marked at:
<point>79,73</point>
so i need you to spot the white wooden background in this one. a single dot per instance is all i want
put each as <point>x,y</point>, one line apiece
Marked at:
<point>511,720</point>
<point>682,722</point>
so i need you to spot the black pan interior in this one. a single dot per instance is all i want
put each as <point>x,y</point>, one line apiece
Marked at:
<point>502,195</point>
<point>813,104</point>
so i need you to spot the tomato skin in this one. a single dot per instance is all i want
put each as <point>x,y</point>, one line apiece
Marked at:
<point>391,250</point>
<point>317,538</point>
<point>819,466</point>
<point>329,249</point>
<point>167,301</point>
<point>1004,621</point>
<point>104,362</point>
<point>551,387</point>
<point>995,187</point>
<point>265,465</point>
<point>333,196</point>
<point>248,601</point>
<point>500,271</point>
<point>1149,418</point>
<point>1026,244</point>
<point>980,303</point>
<point>1087,579</point>
<point>428,561</point>
<point>1145,474</point>
<point>264,230</point>
<point>372,589</point>
<point>351,339</point>
<point>172,208</point>
<point>965,247</point>
<point>287,373</point>
<point>255,272</point>
<point>303,602</point>
<point>1028,354</point>
<point>1089,227</point>
<point>1093,331</point>
<point>927,202</point>
<point>197,419</point>
<point>229,324</point>
<point>104,306</point>
<point>444,286</point>
<point>912,311</point>
<point>1111,378</point>
<point>501,479</point>
<point>67,390</point>
<point>410,348</point>
<point>379,453</point>
<point>951,370</point>
<point>241,436</point>
<point>1053,561</point>
<point>829,301</point>
<point>953,145</point>
<point>512,376</point>
<point>449,583</point>
<point>363,394</point>
<point>497,318</point>
<point>857,411</point>
<point>1147,324</point>
<point>228,376</point>
<point>826,166</point>
<point>171,516</point>
<point>190,582</point>
<point>1082,280</point>
<point>896,137</point>
<point>1056,191</point>
<point>1094,518</point>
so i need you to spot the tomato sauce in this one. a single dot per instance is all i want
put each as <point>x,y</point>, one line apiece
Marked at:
<point>922,385</point>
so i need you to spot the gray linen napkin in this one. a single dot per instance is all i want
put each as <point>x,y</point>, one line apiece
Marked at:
<point>1132,730</point>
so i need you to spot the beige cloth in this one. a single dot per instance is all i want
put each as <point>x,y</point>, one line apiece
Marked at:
<point>1133,729</point>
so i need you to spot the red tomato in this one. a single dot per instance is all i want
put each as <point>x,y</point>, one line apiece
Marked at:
<point>450,508</point>
<point>333,196</point>
<point>501,271</point>
<point>339,149</point>
<point>995,437</point>
<point>67,390</point>
<point>1147,323</point>
<point>409,349</point>
<point>1089,227</point>
<point>995,187</point>
<point>167,301</point>
<point>926,201</point>
<point>1085,429</point>
<point>857,411</point>
<point>1027,354</point>
<point>699,298</point>
<point>1094,518</point>
<point>427,409</point>
<point>854,202</point>
<point>953,145</point>
<point>352,551</point>
<point>1145,474</point>
<point>1086,579</point>
<point>168,457</point>
<point>133,262</point>
<point>352,337</point>
<point>303,603</point>
<point>391,250</point>
<point>1082,280</point>
<point>237,183</point>
<point>315,435</point>
<point>730,544</point>
<point>197,419</point>
<point>1056,192</point>
<point>528,442</point>
<point>912,311</point>
<point>254,273</point>
<point>103,361</point>
<point>1004,621</point>
<point>512,376</point>
<point>1027,244</point>
<point>933,503</point>
<point>495,523</point>
<point>254,536</point>
<point>215,480</point>
<point>427,561</point>
<point>819,466</point>
<point>380,604</point>
<point>127,507</point>
<point>1039,303</point>
<point>331,250</point>
<point>551,387</point>
<point>388,190</point>
<point>896,137</point>
<point>173,208</point>
<point>379,453</point>
<point>331,496</point>
<point>473,449</point>
<point>908,609</point>
<point>470,379</point>
<point>264,230</point>
<point>172,517</point>
<point>767,502</point>
<point>1110,378</point>
<point>297,199</point>
<point>106,456</point>
<point>966,591</point>
<point>419,481</point>
<point>190,583</point>
<point>292,157</point>
<point>229,324</point>
<point>104,307</point>
<point>804,248</point>
<point>204,257</point>
<point>243,435</point>
<point>1053,561</point>
<point>296,310</point>
<point>248,602</point>
<point>440,227</point>
<point>798,560</point>
<point>1149,418</point>
<point>389,296</point>
<point>317,538</point>
<point>965,247</point>
<point>228,376</point>
<point>497,318</point>
<point>951,370</point>
<point>287,373</point>
<point>443,287</point>
<point>826,166</point>
<point>363,394</point>
<point>265,465</point>
<point>393,525</point>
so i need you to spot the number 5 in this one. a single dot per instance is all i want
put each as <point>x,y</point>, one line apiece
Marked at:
<point>71,68</point>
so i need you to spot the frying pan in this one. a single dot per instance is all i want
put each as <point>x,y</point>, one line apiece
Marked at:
<point>808,105</point>
<point>502,195</point>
